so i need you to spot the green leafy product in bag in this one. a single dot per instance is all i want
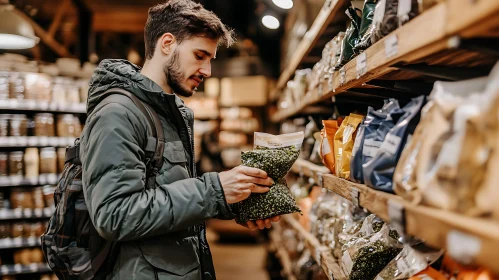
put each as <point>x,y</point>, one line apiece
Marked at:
<point>366,26</point>
<point>351,37</point>
<point>274,155</point>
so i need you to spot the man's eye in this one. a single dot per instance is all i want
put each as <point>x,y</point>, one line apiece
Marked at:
<point>198,57</point>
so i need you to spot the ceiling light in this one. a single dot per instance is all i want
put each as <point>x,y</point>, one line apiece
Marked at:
<point>15,31</point>
<point>283,4</point>
<point>270,22</point>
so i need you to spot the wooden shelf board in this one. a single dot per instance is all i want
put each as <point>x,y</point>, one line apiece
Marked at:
<point>325,16</point>
<point>436,227</point>
<point>322,254</point>
<point>309,169</point>
<point>426,35</point>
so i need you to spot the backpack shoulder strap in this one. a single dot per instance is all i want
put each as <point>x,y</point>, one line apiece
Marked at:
<point>156,143</point>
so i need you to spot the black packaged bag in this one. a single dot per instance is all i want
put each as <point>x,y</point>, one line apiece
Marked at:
<point>369,126</point>
<point>366,26</point>
<point>385,19</point>
<point>351,37</point>
<point>378,172</point>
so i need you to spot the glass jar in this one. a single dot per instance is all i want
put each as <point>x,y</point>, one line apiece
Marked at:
<point>61,159</point>
<point>48,195</point>
<point>38,199</point>
<point>48,161</point>
<point>4,164</point>
<point>16,166</point>
<point>18,125</point>
<point>65,125</point>
<point>17,230</point>
<point>4,85</point>
<point>16,86</point>
<point>31,163</point>
<point>44,125</point>
<point>4,125</point>
<point>37,229</point>
<point>72,92</point>
<point>21,199</point>
<point>5,230</point>
<point>59,91</point>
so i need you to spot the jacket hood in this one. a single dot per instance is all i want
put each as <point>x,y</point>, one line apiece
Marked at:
<point>123,74</point>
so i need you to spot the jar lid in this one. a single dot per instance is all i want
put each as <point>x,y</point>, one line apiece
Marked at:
<point>48,149</point>
<point>66,117</point>
<point>16,153</point>
<point>48,189</point>
<point>5,117</point>
<point>19,117</point>
<point>44,115</point>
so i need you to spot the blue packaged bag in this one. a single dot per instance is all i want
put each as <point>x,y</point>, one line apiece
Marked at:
<point>378,171</point>
<point>370,125</point>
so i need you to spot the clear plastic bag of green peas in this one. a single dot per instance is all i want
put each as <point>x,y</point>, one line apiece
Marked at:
<point>274,154</point>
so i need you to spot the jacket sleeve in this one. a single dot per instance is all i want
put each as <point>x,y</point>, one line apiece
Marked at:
<point>120,206</point>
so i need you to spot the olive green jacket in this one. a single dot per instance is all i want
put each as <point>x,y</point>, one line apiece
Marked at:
<point>160,230</point>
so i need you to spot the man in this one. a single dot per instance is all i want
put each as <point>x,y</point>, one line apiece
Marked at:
<point>160,230</point>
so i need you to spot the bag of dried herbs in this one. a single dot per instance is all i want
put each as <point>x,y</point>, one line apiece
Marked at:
<point>364,258</point>
<point>274,155</point>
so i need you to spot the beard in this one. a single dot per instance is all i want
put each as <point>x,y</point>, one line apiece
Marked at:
<point>175,76</point>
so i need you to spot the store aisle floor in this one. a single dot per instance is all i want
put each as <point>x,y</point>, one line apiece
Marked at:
<point>239,261</point>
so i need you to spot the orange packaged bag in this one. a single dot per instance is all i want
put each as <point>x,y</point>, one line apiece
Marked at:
<point>327,144</point>
<point>338,146</point>
<point>346,138</point>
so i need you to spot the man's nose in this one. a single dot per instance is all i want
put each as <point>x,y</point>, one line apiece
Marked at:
<point>206,70</point>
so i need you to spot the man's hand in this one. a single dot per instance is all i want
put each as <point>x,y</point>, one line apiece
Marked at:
<point>261,224</point>
<point>238,183</point>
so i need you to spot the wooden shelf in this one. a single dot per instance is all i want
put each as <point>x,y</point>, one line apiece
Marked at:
<point>309,169</point>
<point>41,106</point>
<point>436,30</point>
<point>15,243</point>
<point>24,269</point>
<point>322,254</point>
<point>23,214</point>
<point>281,253</point>
<point>465,238</point>
<point>325,16</point>
<point>34,141</point>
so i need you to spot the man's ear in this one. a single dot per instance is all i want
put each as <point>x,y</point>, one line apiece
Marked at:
<point>166,42</point>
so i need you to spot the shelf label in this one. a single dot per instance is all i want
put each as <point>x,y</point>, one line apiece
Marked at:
<point>396,213</point>
<point>33,267</point>
<point>28,213</point>
<point>4,269</point>
<point>354,193</point>
<point>32,241</point>
<point>47,212</point>
<point>18,268</point>
<point>18,213</point>
<point>361,64</point>
<point>463,247</point>
<point>342,76</point>
<point>6,242</point>
<point>391,46</point>
<point>38,212</point>
<point>17,242</point>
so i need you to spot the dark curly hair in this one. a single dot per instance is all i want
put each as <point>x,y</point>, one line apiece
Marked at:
<point>183,19</point>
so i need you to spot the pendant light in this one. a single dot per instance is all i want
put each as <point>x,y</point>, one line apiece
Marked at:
<point>15,31</point>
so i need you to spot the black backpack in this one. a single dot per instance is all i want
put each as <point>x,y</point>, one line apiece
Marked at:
<point>71,245</point>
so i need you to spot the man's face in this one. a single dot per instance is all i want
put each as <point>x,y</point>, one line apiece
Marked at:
<point>189,63</point>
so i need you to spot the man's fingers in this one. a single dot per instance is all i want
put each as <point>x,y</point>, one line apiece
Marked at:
<point>251,225</point>
<point>258,189</point>
<point>275,219</point>
<point>253,172</point>
<point>268,224</point>
<point>258,181</point>
<point>261,224</point>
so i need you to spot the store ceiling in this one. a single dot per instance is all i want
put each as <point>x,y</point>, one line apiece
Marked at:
<point>117,27</point>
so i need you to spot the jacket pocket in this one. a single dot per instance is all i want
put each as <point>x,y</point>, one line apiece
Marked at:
<point>172,259</point>
<point>175,164</point>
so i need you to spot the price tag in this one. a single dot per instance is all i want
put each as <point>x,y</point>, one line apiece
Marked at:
<point>28,213</point>
<point>13,104</point>
<point>391,46</point>
<point>33,141</point>
<point>6,242</point>
<point>463,247</point>
<point>43,141</point>
<point>53,106</point>
<point>4,214</point>
<point>32,181</point>
<point>51,179</point>
<point>342,76</point>
<point>42,179</point>
<point>38,213</point>
<point>53,141</point>
<point>15,180</point>
<point>4,269</point>
<point>44,105</point>
<point>31,104</point>
<point>354,193</point>
<point>361,64</point>
<point>22,141</point>
<point>32,241</point>
<point>33,267</point>
<point>18,213</point>
<point>18,268</point>
<point>12,141</point>
<point>17,242</point>
<point>47,212</point>
<point>4,141</point>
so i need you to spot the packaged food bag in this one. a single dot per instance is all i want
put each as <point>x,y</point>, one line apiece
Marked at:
<point>367,257</point>
<point>366,26</point>
<point>369,126</point>
<point>346,139</point>
<point>274,155</point>
<point>327,143</point>
<point>351,37</point>
<point>407,263</point>
<point>385,19</point>
<point>407,10</point>
<point>378,172</point>
<point>428,274</point>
